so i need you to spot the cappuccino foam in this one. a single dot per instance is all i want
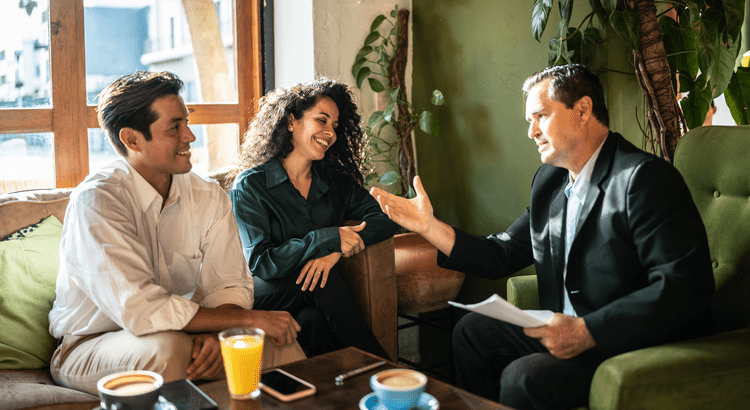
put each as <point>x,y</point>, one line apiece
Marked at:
<point>400,380</point>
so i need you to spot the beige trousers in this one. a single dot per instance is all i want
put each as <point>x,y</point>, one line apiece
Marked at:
<point>80,361</point>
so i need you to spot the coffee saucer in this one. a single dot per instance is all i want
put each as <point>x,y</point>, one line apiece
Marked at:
<point>162,404</point>
<point>426,402</point>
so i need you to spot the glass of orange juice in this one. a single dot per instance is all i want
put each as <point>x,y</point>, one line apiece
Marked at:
<point>242,350</point>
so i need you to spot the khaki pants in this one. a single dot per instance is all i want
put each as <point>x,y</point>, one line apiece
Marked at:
<point>80,361</point>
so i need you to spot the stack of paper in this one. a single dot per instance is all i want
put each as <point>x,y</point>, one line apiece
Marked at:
<point>500,309</point>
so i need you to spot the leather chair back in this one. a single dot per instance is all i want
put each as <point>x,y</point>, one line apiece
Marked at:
<point>715,162</point>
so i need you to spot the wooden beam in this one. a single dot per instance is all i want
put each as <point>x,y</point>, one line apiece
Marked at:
<point>68,72</point>
<point>249,60</point>
<point>17,121</point>
<point>200,113</point>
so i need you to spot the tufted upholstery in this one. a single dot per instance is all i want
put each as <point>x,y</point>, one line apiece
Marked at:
<point>711,372</point>
<point>715,162</point>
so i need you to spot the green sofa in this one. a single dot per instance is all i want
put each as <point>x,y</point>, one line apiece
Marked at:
<point>706,373</point>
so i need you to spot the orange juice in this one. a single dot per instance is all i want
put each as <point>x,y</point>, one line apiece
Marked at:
<point>242,355</point>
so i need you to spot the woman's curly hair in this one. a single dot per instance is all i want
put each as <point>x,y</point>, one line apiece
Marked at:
<point>268,136</point>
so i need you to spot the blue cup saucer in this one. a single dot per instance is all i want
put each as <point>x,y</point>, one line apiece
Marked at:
<point>426,402</point>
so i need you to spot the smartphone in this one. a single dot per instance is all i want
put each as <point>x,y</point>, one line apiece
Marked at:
<point>186,396</point>
<point>285,386</point>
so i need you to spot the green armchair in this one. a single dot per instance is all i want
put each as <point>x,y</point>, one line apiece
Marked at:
<point>711,372</point>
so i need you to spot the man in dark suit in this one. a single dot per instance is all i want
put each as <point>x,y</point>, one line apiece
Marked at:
<point>620,252</point>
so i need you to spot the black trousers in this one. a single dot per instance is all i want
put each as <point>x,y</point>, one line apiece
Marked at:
<point>329,316</point>
<point>496,360</point>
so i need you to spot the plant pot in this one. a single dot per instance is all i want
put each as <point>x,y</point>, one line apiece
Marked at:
<point>421,285</point>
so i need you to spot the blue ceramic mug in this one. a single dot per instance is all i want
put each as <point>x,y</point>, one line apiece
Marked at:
<point>398,389</point>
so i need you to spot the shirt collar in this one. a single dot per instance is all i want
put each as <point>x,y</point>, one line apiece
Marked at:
<point>275,173</point>
<point>579,187</point>
<point>145,194</point>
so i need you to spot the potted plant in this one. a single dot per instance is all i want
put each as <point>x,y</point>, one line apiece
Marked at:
<point>381,62</point>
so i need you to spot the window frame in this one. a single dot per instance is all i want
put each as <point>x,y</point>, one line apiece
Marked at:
<point>70,116</point>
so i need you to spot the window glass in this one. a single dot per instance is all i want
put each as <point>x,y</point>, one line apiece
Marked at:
<point>123,36</point>
<point>26,160</point>
<point>24,54</point>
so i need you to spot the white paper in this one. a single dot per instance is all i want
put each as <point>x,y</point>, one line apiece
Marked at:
<point>499,308</point>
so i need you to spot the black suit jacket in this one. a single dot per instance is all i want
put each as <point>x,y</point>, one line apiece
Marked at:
<point>639,270</point>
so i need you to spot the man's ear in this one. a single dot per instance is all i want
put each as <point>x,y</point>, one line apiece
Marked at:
<point>584,107</point>
<point>129,137</point>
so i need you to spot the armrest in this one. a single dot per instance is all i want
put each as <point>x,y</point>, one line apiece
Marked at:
<point>711,372</point>
<point>523,292</point>
<point>371,275</point>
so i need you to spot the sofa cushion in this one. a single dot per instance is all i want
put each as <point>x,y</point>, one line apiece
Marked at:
<point>22,389</point>
<point>29,260</point>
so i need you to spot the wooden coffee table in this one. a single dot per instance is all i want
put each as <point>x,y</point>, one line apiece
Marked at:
<point>321,371</point>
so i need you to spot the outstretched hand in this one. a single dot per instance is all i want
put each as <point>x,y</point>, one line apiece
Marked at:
<point>414,214</point>
<point>563,335</point>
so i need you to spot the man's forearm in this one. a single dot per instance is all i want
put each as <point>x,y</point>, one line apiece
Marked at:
<point>217,319</point>
<point>441,235</point>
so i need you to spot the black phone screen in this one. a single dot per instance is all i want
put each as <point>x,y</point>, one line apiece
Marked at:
<point>281,382</point>
<point>186,396</point>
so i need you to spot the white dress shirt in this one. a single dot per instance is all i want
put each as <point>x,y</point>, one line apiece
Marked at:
<point>126,263</point>
<point>576,192</point>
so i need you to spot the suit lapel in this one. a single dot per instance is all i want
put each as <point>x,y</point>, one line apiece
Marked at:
<point>600,173</point>
<point>556,236</point>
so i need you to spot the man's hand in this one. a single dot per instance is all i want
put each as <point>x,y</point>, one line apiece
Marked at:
<point>351,242</point>
<point>414,214</point>
<point>564,336</point>
<point>206,354</point>
<point>279,326</point>
<point>317,270</point>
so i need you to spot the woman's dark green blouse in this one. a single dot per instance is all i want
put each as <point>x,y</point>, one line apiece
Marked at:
<point>281,230</point>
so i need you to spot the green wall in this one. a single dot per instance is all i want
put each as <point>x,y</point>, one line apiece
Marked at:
<point>478,53</point>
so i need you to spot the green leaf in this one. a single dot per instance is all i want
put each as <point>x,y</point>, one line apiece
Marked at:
<point>437,98</point>
<point>724,67</point>
<point>394,12</point>
<point>609,6</point>
<point>695,106</point>
<point>361,75</point>
<point>734,14</point>
<point>394,93</point>
<point>687,38</point>
<point>428,123</point>
<point>737,96</point>
<point>539,17</point>
<point>376,85</point>
<point>357,65</point>
<point>376,23</point>
<point>375,118</point>
<point>363,52</point>
<point>371,177</point>
<point>372,37</point>
<point>412,193</point>
<point>625,24</point>
<point>389,178</point>
<point>706,25</point>
<point>389,110</point>
<point>565,7</point>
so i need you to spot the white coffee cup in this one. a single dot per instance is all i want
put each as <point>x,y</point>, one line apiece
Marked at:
<point>129,390</point>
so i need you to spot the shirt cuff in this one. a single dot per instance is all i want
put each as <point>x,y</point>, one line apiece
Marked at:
<point>233,296</point>
<point>330,240</point>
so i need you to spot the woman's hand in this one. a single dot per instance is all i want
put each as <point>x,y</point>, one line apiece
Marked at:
<point>207,362</point>
<point>317,270</point>
<point>351,242</point>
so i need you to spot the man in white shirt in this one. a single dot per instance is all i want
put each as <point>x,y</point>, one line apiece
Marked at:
<point>141,236</point>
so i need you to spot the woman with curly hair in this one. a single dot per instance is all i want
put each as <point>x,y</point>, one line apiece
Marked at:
<point>298,180</point>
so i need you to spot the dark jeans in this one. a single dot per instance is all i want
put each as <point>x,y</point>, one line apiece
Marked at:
<point>496,360</point>
<point>329,316</point>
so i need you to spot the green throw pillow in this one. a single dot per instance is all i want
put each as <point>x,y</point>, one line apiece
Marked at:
<point>29,260</point>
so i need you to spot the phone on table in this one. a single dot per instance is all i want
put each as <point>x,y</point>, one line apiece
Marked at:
<point>284,386</point>
<point>186,396</point>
